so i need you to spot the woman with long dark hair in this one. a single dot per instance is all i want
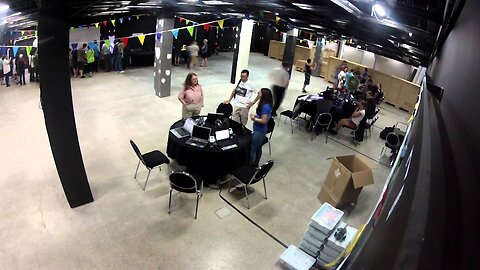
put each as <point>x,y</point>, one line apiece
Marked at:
<point>260,120</point>
<point>191,96</point>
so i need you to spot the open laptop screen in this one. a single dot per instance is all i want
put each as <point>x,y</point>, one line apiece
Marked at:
<point>188,125</point>
<point>222,134</point>
<point>201,132</point>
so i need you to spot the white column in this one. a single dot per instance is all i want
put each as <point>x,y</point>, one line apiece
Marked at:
<point>244,46</point>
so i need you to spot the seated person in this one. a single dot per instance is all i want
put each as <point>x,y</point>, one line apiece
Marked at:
<point>354,120</point>
<point>371,104</point>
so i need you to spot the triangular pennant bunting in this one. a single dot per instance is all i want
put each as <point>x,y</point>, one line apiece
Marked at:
<point>187,21</point>
<point>277,19</point>
<point>121,20</point>
<point>29,49</point>
<point>4,50</point>
<point>15,50</point>
<point>138,17</point>
<point>174,33</point>
<point>190,30</point>
<point>29,32</point>
<point>23,32</point>
<point>96,24</point>
<point>105,23</point>
<point>181,19</point>
<point>206,27</point>
<point>141,38</point>
<point>311,36</point>
<point>220,23</point>
<point>125,41</point>
<point>159,36</point>
<point>107,42</point>
<point>113,22</point>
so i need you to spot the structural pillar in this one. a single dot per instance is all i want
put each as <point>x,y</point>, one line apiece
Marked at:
<point>290,45</point>
<point>339,53</point>
<point>162,67</point>
<point>243,40</point>
<point>56,99</point>
<point>317,60</point>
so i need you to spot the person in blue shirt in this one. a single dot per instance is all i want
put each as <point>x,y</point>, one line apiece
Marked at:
<point>260,120</point>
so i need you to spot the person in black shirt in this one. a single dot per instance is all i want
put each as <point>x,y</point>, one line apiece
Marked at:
<point>308,73</point>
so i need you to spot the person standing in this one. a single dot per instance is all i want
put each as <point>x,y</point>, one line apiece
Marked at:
<point>21,66</point>
<point>191,96</point>
<point>119,57</point>
<point>6,70</point>
<point>341,77</point>
<point>308,73</point>
<point>81,59</point>
<point>280,78</point>
<point>1,71</point>
<point>177,51</point>
<point>90,54</point>
<point>205,53</point>
<point>242,97</point>
<point>260,127</point>
<point>193,53</point>
<point>107,64</point>
<point>96,55</point>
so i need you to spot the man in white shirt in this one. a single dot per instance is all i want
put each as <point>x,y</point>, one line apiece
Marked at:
<point>280,80</point>
<point>242,97</point>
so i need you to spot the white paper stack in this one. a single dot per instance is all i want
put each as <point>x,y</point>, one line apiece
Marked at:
<point>295,259</point>
<point>333,247</point>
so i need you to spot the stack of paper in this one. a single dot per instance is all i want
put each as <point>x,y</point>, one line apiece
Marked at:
<point>334,247</point>
<point>295,259</point>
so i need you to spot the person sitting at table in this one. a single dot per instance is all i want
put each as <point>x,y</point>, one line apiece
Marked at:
<point>242,97</point>
<point>354,120</point>
<point>260,120</point>
<point>191,96</point>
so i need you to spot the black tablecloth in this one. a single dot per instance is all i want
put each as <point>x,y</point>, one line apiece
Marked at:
<point>210,162</point>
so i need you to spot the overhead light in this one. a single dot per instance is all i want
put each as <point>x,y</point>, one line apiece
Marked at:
<point>410,34</point>
<point>379,12</point>
<point>316,26</point>
<point>4,7</point>
<point>217,2</point>
<point>303,6</point>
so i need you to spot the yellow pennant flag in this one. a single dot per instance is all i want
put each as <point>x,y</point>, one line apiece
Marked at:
<point>96,25</point>
<point>23,32</point>
<point>187,21</point>
<point>190,30</point>
<point>276,30</point>
<point>277,19</point>
<point>220,23</point>
<point>141,38</point>
<point>311,36</point>
<point>113,22</point>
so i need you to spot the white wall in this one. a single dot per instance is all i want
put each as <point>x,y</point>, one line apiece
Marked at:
<point>368,59</point>
<point>84,35</point>
<point>352,54</point>
<point>393,67</point>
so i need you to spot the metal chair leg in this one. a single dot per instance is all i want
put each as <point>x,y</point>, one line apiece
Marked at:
<point>138,165</point>
<point>269,148</point>
<point>265,188</point>
<point>291,124</point>
<point>169,200</point>
<point>146,181</point>
<point>196,206</point>
<point>246,196</point>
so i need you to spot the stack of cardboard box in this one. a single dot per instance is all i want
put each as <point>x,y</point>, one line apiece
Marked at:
<point>334,247</point>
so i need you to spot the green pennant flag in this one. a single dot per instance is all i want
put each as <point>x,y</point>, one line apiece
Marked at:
<point>187,21</point>
<point>190,30</point>
<point>29,49</point>
<point>107,42</point>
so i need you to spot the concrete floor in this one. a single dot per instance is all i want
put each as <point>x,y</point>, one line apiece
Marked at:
<point>126,228</point>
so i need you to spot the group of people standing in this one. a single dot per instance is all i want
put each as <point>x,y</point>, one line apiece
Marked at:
<point>87,58</point>
<point>193,50</point>
<point>14,67</point>
<point>244,96</point>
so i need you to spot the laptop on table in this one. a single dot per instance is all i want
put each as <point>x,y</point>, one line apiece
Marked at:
<point>200,136</point>
<point>185,130</point>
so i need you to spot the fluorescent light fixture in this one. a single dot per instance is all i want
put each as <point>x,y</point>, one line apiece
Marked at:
<point>316,26</point>
<point>349,7</point>
<point>217,2</point>
<point>379,11</point>
<point>4,7</point>
<point>410,34</point>
<point>303,6</point>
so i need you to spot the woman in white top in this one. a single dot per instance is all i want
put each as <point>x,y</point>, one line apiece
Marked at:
<point>6,70</point>
<point>353,121</point>
<point>341,77</point>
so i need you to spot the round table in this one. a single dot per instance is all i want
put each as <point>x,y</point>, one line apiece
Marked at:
<point>210,162</point>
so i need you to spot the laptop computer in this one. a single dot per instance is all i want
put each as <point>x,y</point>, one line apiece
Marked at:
<point>236,127</point>
<point>212,117</point>
<point>222,135</point>
<point>185,130</point>
<point>200,136</point>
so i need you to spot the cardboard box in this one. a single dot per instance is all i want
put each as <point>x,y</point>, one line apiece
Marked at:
<point>345,180</point>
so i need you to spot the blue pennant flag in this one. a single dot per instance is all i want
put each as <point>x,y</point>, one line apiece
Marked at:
<point>159,36</point>
<point>4,50</point>
<point>121,20</point>
<point>175,33</point>
<point>15,50</point>
<point>74,46</point>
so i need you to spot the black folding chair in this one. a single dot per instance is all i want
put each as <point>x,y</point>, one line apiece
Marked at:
<point>268,137</point>
<point>321,125</point>
<point>226,109</point>
<point>293,115</point>
<point>185,183</point>
<point>150,160</point>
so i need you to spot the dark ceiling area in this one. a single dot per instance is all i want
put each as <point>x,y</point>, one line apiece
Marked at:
<point>407,34</point>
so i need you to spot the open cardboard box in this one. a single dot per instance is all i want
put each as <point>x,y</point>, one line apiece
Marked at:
<point>345,180</point>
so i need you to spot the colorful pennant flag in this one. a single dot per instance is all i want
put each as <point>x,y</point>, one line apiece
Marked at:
<point>220,23</point>
<point>206,27</point>
<point>159,36</point>
<point>74,46</point>
<point>190,30</point>
<point>125,41</point>
<point>121,20</point>
<point>15,50</point>
<point>4,50</point>
<point>181,19</point>
<point>107,42</point>
<point>113,22</point>
<point>187,21</point>
<point>29,32</point>
<point>29,49</point>
<point>174,33</point>
<point>138,17</point>
<point>141,38</point>
<point>277,19</point>
<point>105,23</point>
<point>311,36</point>
<point>96,25</point>
<point>23,32</point>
